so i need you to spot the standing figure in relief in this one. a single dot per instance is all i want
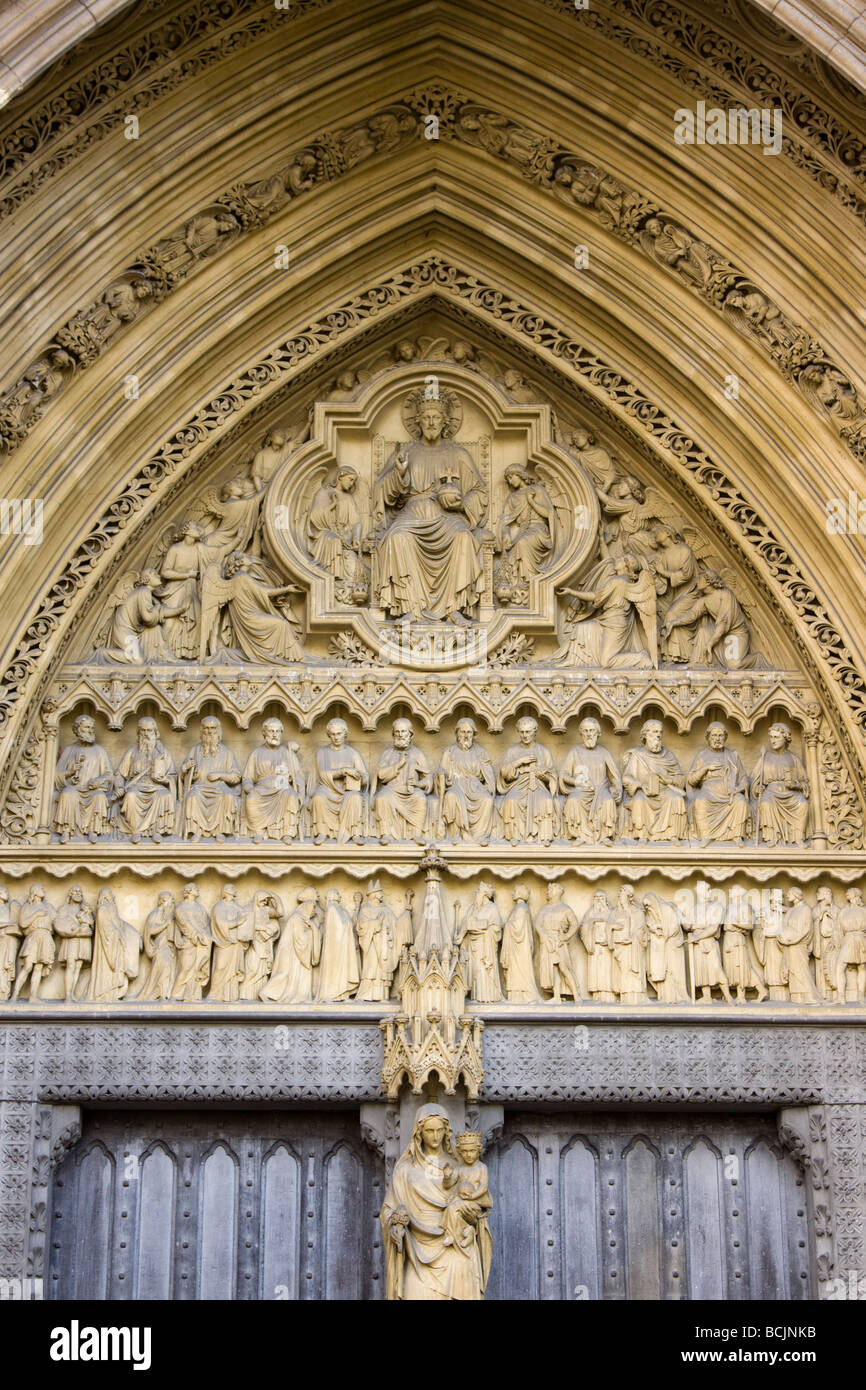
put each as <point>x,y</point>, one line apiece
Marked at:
<point>116,949</point>
<point>298,953</point>
<point>73,926</point>
<point>624,632</point>
<point>180,573</point>
<point>473,1184</point>
<point>210,777</point>
<point>194,943</point>
<point>631,532</point>
<point>160,949</point>
<point>338,806</point>
<point>146,786</point>
<point>404,780</point>
<point>233,513</point>
<point>797,940</point>
<point>590,780</point>
<point>596,934</point>
<point>465,786</point>
<point>404,928</point>
<point>781,788</point>
<point>528,780</point>
<point>263,627</point>
<point>259,958</point>
<point>527,527</point>
<point>10,937</point>
<point>739,957</point>
<point>232,930</point>
<point>334,534</point>
<point>676,569</point>
<point>704,934</point>
<point>770,946</point>
<point>666,959</point>
<point>430,498</point>
<point>826,942</point>
<point>273,786</point>
<point>719,800</point>
<point>375,923</point>
<point>480,932</point>
<point>339,974</point>
<point>556,927</point>
<point>36,920</point>
<point>851,961</point>
<point>83,780</point>
<point>628,934</point>
<point>655,785</point>
<point>268,457</point>
<point>516,950</point>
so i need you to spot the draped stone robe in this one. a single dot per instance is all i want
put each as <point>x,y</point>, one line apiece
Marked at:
<point>528,809</point>
<point>590,778</point>
<point>82,807</point>
<point>401,803</point>
<point>469,783</point>
<point>516,956</point>
<point>232,930</point>
<point>297,954</point>
<point>657,802</point>
<point>337,802</point>
<point>273,784</point>
<point>211,808</point>
<point>719,805</point>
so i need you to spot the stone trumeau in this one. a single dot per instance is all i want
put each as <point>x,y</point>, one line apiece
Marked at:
<point>433,675</point>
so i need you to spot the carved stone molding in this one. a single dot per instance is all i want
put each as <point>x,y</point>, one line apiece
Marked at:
<point>803,1131</point>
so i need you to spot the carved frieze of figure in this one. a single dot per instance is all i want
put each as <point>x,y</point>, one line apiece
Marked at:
<point>770,945</point>
<point>10,939</point>
<point>160,949</point>
<point>135,633</point>
<point>673,247</point>
<point>232,930</point>
<point>146,786</point>
<point>180,593</point>
<point>556,927</point>
<point>73,927</point>
<point>851,960</point>
<point>655,786</point>
<point>666,956</point>
<point>428,501</point>
<point>596,933</point>
<point>339,972</point>
<point>84,782</point>
<point>526,536</point>
<point>629,528</point>
<point>116,950</point>
<point>590,781</point>
<point>338,804</point>
<point>334,535</point>
<point>263,627</point>
<point>231,517</point>
<point>594,458</point>
<point>267,912</point>
<point>472,1181</point>
<point>527,780</point>
<point>266,460</point>
<point>826,942</point>
<point>719,634</point>
<point>517,950</point>
<point>273,785</point>
<point>434,1237</point>
<point>401,784</point>
<point>796,941</point>
<point>194,943</point>
<point>404,927</point>
<point>298,952</point>
<point>36,957</point>
<point>704,933</point>
<point>675,567</point>
<point>375,924</point>
<point>211,780</point>
<point>623,632</point>
<point>480,932</point>
<point>628,934</point>
<point>739,956</point>
<point>465,786</point>
<point>719,786</point>
<point>781,788</point>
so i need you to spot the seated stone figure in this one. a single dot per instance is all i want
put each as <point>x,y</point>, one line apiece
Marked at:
<point>338,804</point>
<point>146,786</point>
<point>718,785</point>
<point>655,787</point>
<point>404,780</point>
<point>590,780</point>
<point>781,788</point>
<point>273,784</point>
<point>211,778</point>
<point>465,785</point>
<point>83,779</point>
<point>527,780</point>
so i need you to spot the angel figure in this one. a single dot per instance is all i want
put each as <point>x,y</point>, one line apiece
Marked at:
<point>134,631</point>
<point>624,597</point>
<point>334,527</point>
<point>719,634</point>
<point>263,631</point>
<point>526,536</point>
<point>233,514</point>
<point>631,525</point>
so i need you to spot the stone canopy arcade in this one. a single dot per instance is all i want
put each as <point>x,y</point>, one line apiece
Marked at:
<point>432,687</point>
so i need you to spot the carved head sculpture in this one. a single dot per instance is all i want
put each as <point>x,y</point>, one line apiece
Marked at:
<point>84,729</point>
<point>430,1133</point>
<point>190,531</point>
<point>465,733</point>
<point>780,736</point>
<point>513,379</point>
<point>555,891</point>
<point>150,579</point>
<point>824,896</point>
<point>651,734</point>
<point>716,736</point>
<point>520,893</point>
<point>332,895</point>
<point>581,439</point>
<point>589,730</point>
<point>211,734</point>
<point>228,892</point>
<point>431,419</point>
<point>190,890</point>
<point>462,351</point>
<point>626,895</point>
<point>402,733</point>
<point>274,439</point>
<point>337,731</point>
<point>374,891</point>
<point>527,728</point>
<point>347,478</point>
<point>75,894</point>
<point>627,564</point>
<point>708,579</point>
<point>346,381</point>
<point>148,733</point>
<point>483,891</point>
<point>36,894</point>
<point>308,897</point>
<point>517,476</point>
<point>238,560</point>
<point>629,486</point>
<point>600,901</point>
<point>854,896</point>
<point>794,896</point>
<point>165,900</point>
<point>404,351</point>
<point>469,1144</point>
<point>272,733</point>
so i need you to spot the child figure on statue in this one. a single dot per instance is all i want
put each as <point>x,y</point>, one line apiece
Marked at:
<point>472,1182</point>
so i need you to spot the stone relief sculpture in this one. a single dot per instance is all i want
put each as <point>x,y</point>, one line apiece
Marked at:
<point>298,953</point>
<point>591,783</point>
<point>851,960</point>
<point>666,958</point>
<point>596,934</point>
<point>557,926</point>
<point>625,631</point>
<point>629,938</point>
<point>339,972</point>
<point>267,915</point>
<point>338,803</point>
<point>274,787</point>
<point>334,533</point>
<point>116,947</point>
<point>527,535</point>
<point>74,925</point>
<point>781,788</point>
<point>146,787</point>
<point>84,785</point>
<point>400,786</point>
<point>231,929</point>
<point>826,942</point>
<point>194,944</point>
<point>465,787</point>
<point>516,951</point>
<point>263,627</point>
<point>718,790</point>
<point>655,788</point>
<point>10,939</point>
<point>527,781</point>
<point>36,956</point>
<point>481,931</point>
<point>211,781</point>
<point>375,924</point>
<point>160,948</point>
<point>705,956</point>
